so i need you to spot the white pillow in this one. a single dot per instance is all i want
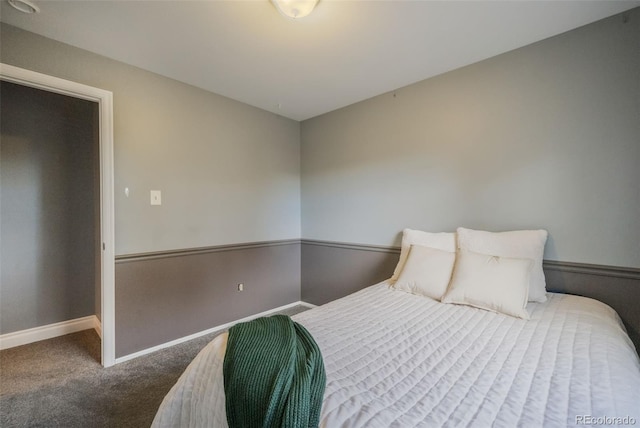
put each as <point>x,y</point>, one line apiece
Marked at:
<point>498,284</point>
<point>439,241</point>
<point>519,244</point>
<point>426,272</point>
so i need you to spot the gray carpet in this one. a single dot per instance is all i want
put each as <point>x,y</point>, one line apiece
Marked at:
<point>60,383</point>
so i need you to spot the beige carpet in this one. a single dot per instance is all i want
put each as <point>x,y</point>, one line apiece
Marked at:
<point>60,383</point>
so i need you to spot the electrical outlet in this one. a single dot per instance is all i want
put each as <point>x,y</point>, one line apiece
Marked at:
<point>240,287</point>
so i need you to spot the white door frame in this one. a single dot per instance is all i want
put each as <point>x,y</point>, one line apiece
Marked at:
<point>104,99</point>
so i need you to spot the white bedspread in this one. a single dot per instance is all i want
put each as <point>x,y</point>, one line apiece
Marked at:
<point>398,360</point>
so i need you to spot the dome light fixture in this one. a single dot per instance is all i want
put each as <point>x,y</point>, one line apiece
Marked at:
<point>24,6</point>
<point>295,9</point>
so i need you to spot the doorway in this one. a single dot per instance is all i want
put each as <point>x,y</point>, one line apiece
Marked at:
<point>64,252</point>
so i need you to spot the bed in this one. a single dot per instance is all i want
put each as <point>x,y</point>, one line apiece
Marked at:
<point>396,359</point>
<point>463,334</point>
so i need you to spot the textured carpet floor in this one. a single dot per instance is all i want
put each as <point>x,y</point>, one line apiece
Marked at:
<point>60,383</point>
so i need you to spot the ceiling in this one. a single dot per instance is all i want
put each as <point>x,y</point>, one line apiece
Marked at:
<point>344,52</point>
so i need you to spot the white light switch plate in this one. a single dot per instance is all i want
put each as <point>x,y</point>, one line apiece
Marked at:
<point>156,197</point>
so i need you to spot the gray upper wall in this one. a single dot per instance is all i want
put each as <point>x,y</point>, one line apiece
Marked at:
<point>228,172</point>
<point>546,136</point>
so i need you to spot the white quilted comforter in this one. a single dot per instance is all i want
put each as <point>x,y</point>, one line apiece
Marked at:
<point>398,360</point>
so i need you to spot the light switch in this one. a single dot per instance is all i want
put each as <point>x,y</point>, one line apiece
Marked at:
<point>156,197</point>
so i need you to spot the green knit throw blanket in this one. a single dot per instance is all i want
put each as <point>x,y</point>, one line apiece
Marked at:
<point>273,375</point>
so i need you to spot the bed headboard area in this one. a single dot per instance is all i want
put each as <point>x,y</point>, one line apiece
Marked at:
<point>331,270</point>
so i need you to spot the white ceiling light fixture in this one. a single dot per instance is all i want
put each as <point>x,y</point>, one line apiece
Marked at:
<point>24,6</point>
<point>295,9</point>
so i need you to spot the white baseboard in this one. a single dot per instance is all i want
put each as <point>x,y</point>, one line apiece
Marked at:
<point>97,326</point>
<point>211,330</point>
<point>36,334</point>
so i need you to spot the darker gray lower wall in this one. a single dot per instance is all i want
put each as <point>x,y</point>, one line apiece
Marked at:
<point>331,270</point>
<point>49,208</point>
<point>161,297</point>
